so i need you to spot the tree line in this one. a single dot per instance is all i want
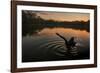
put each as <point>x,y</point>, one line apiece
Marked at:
<point>31,23</point>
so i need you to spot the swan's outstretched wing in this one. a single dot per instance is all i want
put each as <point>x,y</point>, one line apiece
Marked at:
<point>61,37</point>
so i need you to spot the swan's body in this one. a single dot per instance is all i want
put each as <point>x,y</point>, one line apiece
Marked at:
<point>69,44</point>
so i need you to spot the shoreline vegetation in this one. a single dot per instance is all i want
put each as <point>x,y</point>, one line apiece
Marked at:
<point>32,23</point>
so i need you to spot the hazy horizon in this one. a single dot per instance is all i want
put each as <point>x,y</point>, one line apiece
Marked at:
<point>63,16</point>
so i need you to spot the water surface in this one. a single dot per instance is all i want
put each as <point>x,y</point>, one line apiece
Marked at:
<point>45,45</point>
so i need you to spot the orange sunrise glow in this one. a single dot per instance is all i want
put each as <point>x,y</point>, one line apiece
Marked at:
<point>64,16</point>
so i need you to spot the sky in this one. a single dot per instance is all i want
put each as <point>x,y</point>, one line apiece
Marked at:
<point>63,16</point>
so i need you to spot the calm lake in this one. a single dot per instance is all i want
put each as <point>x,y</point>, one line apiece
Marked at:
<point>45,45</point>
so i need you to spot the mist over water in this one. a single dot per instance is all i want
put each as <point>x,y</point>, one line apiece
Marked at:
<point>45,45</point>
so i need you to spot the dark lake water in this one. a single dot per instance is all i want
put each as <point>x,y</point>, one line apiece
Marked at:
<point>45,45</point>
